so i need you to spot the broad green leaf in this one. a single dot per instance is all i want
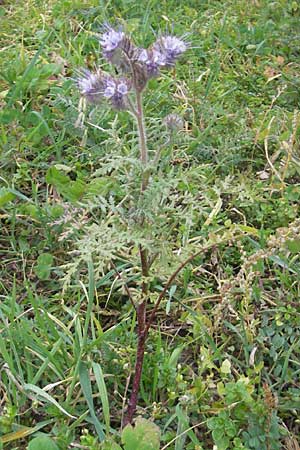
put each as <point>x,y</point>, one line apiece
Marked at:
<point>70,189</point>
<point>145,435</point>
<point>294,246</point>
<point>174,357</point>
<point>5,196</point>
<point>104,186</point>
<point>56,177</point>
<point>44,265</point>
<point>42,443</point>
<point>226,367</point>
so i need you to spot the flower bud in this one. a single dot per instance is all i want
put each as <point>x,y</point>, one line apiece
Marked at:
<point>173,122</point>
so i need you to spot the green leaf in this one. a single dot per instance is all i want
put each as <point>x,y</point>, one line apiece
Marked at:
<point>5,196</point>
<point>22,432</point>
<point>45,396</point>
<point>110,445</point>
<point>294,246</point>
<point>75,190</point>
<point>171,293</point>
<point>103,393</point>
<point>86,386</point>
<point>42,443</point>
<point>56,177</point>
<point>218,434</point>
<point>246,229</point>
<point>174,357</point>
<point>145,435</point>
<point>226,367</point>
<point>104,186</point>
<point>44,265</point>
<point>71,190</point>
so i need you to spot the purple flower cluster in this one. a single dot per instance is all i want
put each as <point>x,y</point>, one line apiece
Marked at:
<point>121,51</point>
<point>111,40</point>
<point>152,60</point>
<point>98,86</point>
<point>138,63</point>
<point>90,85</point>
<point>116,91</point>
<point>171,48</point>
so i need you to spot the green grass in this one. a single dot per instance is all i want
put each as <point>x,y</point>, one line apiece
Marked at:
<point>231,334</point>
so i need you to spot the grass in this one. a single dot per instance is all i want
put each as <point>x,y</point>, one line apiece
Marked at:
<point>223,359</point>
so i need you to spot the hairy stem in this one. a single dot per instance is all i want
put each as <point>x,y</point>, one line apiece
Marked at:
<point>142,139</point>
<point>132,403</point>
<point>141,309</point>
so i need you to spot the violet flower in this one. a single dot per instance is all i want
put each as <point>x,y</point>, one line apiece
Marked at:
<point>171,48</point>
<point>152,60</point>
<point>138,64</point>
<point>111,41</point>
<point>116,91</point>
<point>90,85</point>
<point>97,86</point>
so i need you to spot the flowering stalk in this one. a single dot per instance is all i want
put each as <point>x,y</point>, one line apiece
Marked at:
<point>141,309</point>
<point>138,66</point>
<point>142,139</point>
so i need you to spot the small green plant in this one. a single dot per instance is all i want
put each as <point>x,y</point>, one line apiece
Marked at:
<point>143,436</point>
<point>245,422</point>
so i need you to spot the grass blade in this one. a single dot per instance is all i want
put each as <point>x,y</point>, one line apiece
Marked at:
<point>103,394</point>
<point>86,386</point>
<point>47,397</point>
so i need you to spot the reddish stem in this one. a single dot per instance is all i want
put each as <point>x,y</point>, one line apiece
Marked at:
<point>141,315</point>
<point>141,311</point>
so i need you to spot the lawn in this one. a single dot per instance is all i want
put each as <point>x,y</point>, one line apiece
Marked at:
<point>201,241</point>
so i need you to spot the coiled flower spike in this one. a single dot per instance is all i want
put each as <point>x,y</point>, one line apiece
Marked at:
<point>90,85</point>
<point>153,60</point>
<point>99,85</point>
<point>116,91</point>
<point>138,64</point>
<point>171,48</point>
<point>111,40</point>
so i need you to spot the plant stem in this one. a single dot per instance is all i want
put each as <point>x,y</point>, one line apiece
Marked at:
<point>141,309</point>
<point>143,329</point>
<point>142,139</point>
<point>141,317</point>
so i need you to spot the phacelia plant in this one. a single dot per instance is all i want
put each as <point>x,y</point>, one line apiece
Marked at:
<point>125,92</point>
